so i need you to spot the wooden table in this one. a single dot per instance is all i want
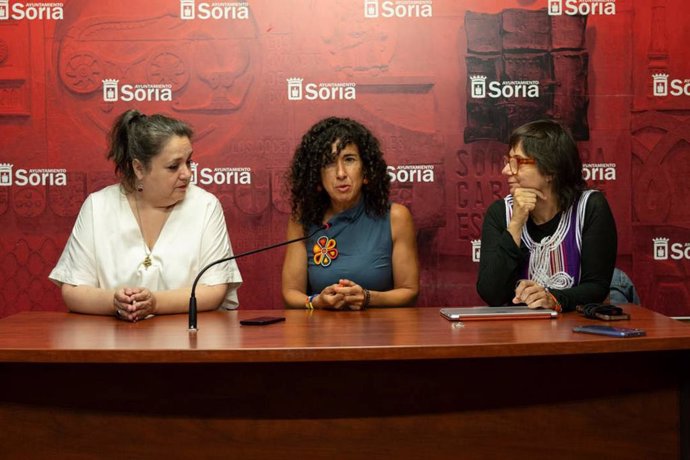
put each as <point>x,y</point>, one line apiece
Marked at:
<point>402,383</point>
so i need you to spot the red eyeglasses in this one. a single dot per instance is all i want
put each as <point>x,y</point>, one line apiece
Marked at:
<point>515,162</point>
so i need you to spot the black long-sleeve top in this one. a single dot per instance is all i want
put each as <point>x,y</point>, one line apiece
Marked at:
<point>501,259</point>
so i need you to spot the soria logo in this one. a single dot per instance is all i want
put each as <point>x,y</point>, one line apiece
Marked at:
<point>599,171</point>
<point>189,9</point>
<point>6,174</point>
<point>297,90</point>
<point>33,177</point>
<point>665,87</point>
<point>411,173</point>
<point>30,11</point>
<point>4,9</point>
<point>476,250</point>
<point>480,89</point>
<point>582,7</point>
<point>398,8</point>
<point>675,251</point>
<point>112,92</point>
<point>220,176</point>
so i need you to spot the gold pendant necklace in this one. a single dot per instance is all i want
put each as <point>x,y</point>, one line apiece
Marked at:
<point>147,260</point>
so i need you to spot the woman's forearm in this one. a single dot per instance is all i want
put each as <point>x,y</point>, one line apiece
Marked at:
<point>88,299</point>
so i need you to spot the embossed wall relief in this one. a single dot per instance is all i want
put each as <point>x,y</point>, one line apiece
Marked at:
<point>154,61</point>
<point>524,65</point>
<point>15,70</point>
<point>661,218</point>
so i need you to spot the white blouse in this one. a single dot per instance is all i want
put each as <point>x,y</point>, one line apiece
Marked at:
<point>106,248</point>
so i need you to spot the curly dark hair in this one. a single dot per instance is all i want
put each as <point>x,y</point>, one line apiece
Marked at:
<point>555,150</point>
<point>308,198</point>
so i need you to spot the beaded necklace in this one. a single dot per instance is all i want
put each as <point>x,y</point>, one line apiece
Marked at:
<point>147,260</point>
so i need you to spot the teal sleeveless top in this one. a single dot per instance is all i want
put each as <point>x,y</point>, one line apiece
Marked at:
<point>356,247</point>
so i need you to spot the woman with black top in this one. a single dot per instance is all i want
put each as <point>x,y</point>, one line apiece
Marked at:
<point>551,242</point>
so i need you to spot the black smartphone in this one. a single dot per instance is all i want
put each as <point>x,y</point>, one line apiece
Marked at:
<point>604,312</point>
<point>262,320</point>
<point>610,330</point>
<point>605,317</point>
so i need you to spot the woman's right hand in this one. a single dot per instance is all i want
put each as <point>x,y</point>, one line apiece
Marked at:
<point>125,303</point>
<point>329,299</point>
<point>524,202</point>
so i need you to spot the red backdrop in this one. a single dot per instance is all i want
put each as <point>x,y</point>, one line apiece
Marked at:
<point>440,82</point>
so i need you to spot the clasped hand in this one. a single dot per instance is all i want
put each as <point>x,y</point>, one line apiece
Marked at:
<point>134,304</point>
<point>533,294</point>
<point>342,296</point>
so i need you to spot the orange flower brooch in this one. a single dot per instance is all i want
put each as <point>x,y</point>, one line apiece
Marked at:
<point>325,251</point>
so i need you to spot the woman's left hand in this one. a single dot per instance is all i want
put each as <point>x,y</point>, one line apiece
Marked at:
<point>143,304</point>
<point>533,294</point>
<point>354,295</point>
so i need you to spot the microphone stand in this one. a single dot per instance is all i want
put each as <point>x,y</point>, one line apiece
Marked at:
<point>192,298</point>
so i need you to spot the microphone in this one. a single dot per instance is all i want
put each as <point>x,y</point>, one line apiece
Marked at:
<point>192,298</point>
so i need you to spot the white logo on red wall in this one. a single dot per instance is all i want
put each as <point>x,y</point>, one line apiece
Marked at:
<point>665,87</point>
<point>411,173</point>
<point>31,11</point>
<point>220,176</point>
<point>33,177</point>
<point>189,9</point>
<point>398,8</point>
<point>599,171</point>
<point>582,7</point>
<point>480,88</point>
<point>5,174</point>
<point>476,250</point>
<point>660,248</point>
<point>297,90</point>
<point>663,250</point>
<point>114,92</point>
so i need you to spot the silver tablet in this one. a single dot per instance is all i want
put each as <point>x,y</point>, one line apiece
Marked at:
<point>519,312</point>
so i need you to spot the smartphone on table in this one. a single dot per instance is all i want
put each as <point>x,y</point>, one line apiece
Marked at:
<point>611,331</point>
<point>261,320</point>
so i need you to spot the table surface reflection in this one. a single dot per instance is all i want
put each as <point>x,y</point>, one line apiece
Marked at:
<point>375,334</point>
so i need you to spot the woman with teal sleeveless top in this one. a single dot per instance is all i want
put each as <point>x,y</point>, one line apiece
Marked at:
<point>367,257</point>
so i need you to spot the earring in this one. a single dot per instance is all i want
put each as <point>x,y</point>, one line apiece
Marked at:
<point>140,186</point>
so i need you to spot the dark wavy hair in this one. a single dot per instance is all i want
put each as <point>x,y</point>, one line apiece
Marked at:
<point>555,150</point>
<point>135,136</point>
<point>308,199</point>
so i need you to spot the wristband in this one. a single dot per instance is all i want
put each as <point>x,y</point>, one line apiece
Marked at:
<point>367,298</point>
<point>556,304</point>
<point>309,302</point>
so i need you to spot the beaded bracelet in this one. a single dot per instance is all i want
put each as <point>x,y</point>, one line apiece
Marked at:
<point>367,298</point>
<point>309,302</point>
<point>556,304</point>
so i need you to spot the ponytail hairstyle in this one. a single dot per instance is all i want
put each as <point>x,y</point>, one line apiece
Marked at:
<point>135,136</point>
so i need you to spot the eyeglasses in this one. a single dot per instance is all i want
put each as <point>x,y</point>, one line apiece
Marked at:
<point>515,162</point>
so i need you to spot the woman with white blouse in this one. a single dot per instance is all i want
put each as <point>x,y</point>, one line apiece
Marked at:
<point>137,246</point>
